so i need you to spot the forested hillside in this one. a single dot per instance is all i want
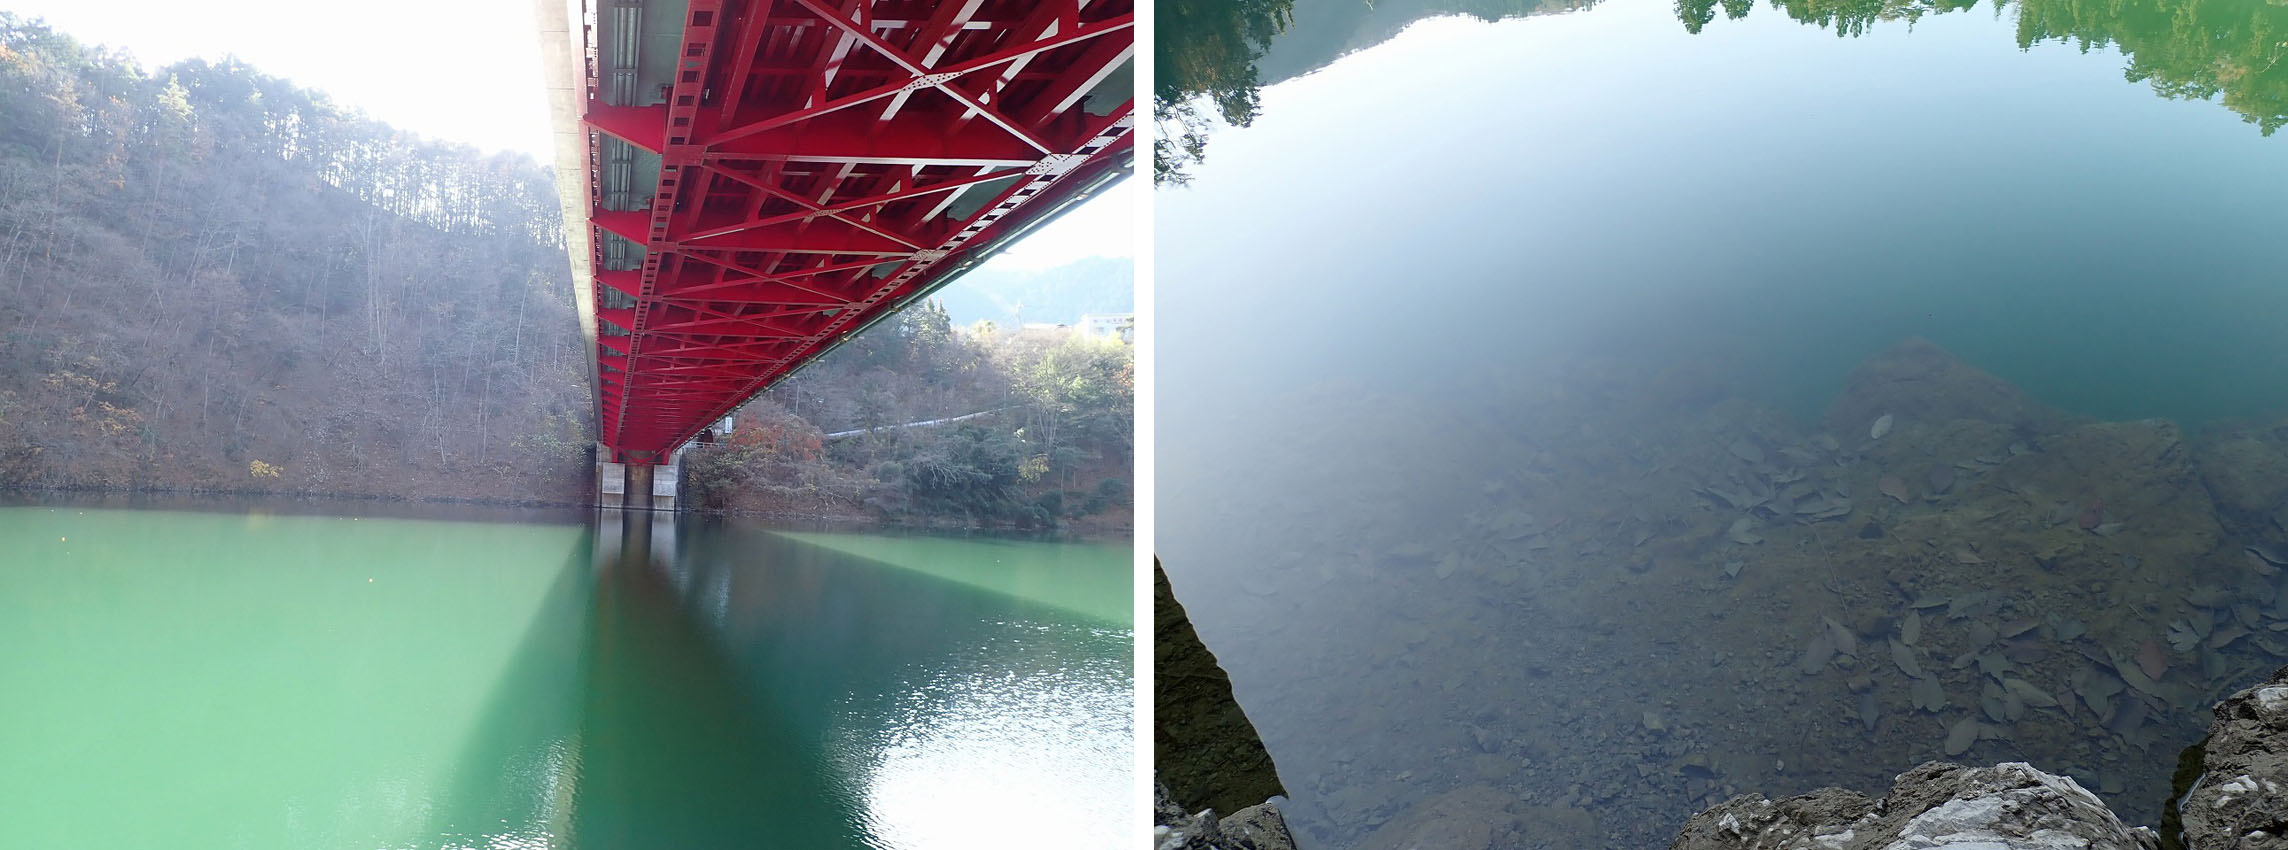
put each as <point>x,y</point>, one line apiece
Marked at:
<point>213,280</point>
<point>1054,445</point>
<point>217,280</point>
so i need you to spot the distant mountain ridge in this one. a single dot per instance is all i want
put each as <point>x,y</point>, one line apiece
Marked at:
<point>1326,30</point>
<point>1058,295</point>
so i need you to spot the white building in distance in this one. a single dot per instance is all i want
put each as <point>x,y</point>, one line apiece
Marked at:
<point>1120,325</point>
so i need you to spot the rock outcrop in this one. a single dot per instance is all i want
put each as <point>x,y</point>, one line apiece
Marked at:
<point>2006,807</point>
<point>1203,746</point>
<point>2240,800</point>
<point>1257,827</point>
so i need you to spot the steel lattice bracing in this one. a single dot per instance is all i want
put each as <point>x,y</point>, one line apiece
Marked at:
<point>765,178</point>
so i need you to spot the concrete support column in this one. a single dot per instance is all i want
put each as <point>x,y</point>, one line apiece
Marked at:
<point>636,496</point>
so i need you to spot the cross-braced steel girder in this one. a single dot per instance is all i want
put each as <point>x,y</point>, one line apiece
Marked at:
<point>819,164</point>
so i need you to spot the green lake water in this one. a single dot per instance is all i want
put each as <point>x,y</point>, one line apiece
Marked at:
<point>248,680</point>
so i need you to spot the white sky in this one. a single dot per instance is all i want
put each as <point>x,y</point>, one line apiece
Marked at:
<point>463,70</point>
<point>460,70</point>
<point>1103,227</point>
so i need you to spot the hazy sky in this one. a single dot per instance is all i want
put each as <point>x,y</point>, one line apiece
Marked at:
<point>462,70</point>
<point>465,71</point>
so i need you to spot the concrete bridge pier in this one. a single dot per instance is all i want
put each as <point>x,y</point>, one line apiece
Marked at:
<point>639,486</point>
<point>637,489</point>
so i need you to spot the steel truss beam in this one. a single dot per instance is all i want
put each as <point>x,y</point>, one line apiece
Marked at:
<point>823,163</point>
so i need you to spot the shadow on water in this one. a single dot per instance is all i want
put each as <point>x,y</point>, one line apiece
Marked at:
<point>621,722</point>
<point>675,753</point>
<point>516,771</point>
<point>715,684</point>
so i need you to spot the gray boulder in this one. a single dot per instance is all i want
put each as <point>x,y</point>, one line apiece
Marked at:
<point>1257,827</point>
<point>2241,798</point>
<point>1937,805</point>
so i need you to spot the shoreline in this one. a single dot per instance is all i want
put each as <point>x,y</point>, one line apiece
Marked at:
<point>195,498</point>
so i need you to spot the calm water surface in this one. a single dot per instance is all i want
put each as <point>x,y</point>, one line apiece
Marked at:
<point>1548,500</point>
<point>255,680</point>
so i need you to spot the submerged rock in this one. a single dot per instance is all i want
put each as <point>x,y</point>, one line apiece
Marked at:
<point>2261,561</point>
<point>1961,735</point>
<point>1892,486</point>
<point>1918,382</point>
<point>2247,477</point>
<point>1904,657</point>
<point>2031,694</point>
<point>2004,807</point>
<point>2124,473</point>
<point>1482,817</point>
<point>1846,643</point>
<point>1941,479</point>
<point>1816,655</point>
<point>1928,695</point>
<point>2151,660</point>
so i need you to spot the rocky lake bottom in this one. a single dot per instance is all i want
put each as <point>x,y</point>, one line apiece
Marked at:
<point>1607,596</point>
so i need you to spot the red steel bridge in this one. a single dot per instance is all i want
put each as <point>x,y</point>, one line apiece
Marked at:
<point>747,183</point>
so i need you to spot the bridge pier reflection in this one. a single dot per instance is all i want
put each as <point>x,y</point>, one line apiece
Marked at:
<point>634,538</point>
<point>638,488</point>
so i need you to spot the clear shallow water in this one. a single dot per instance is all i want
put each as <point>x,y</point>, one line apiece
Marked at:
<point>1509,295</point>
<point>252,680</point>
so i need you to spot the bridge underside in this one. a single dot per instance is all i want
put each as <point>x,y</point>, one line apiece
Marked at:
<point>766,177</point>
